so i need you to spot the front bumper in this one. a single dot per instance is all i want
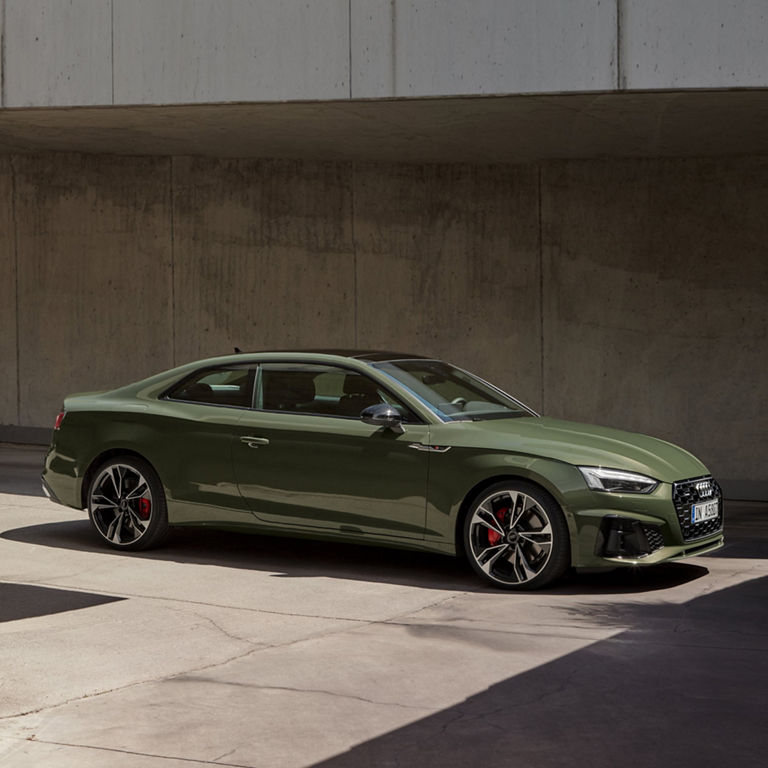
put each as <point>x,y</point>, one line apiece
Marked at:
<point>625,541</point>
<point>643,529</point>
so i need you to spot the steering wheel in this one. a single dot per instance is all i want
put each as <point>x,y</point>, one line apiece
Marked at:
<point>460,401</point>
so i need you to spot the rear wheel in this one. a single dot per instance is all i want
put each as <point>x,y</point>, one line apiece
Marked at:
<point>126,504</point>
<point>515,536</point>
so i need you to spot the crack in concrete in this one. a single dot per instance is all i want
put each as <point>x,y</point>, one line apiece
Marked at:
<point>190,760</point>
<point>135,683</point>
<point>160,598</point>
<point>219,628</point>
<point>237,657</point>
<point>290,689</point>
<point>226,754</point>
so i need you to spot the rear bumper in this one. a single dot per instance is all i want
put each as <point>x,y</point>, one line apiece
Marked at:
<point>48,491</point>
<point>60,480</point>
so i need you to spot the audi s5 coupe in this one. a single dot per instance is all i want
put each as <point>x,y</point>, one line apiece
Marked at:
<point>378,448</point>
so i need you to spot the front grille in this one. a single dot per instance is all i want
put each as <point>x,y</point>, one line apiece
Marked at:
<point>685,494</point>
<point>654,537</point>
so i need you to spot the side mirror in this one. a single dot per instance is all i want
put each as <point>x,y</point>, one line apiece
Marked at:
<point>383,415</point>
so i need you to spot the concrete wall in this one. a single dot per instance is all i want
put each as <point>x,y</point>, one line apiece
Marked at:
<point>81,52</point>
<point>9,394</point>
<point>264,255</point>
<point>93,275</point>
<point>656,302</point>
<point>624,292</point>
<point>448,262</point>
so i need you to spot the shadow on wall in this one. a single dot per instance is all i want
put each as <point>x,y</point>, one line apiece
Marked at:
<point>684,685</point>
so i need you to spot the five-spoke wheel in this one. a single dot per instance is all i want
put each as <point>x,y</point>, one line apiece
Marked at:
<point>516,537</point>
<point>126,504</point>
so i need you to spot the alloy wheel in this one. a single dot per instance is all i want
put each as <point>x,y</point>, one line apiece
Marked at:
<point>510,537</point>
<point>120,504</point>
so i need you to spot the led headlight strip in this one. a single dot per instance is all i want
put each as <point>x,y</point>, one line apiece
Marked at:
<point>617,480</point>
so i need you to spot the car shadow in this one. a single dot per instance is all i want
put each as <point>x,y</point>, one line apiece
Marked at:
<point>304,558</point>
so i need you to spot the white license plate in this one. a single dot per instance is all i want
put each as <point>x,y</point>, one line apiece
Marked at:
<point>704,511</point>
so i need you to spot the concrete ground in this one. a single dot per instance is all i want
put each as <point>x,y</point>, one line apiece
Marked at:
<point>234,650</point>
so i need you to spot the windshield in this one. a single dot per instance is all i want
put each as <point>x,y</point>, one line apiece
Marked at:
<point>453,394</point>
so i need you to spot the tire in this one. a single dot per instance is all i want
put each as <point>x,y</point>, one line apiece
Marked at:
<point>516,537</point>
<point>126,504</point>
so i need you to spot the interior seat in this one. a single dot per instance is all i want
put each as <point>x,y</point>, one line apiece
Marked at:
<point>288,390</point>
<point>359,393</point>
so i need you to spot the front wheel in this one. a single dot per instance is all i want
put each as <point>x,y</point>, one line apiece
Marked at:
<point>515,536</point>
<point>126,504</point>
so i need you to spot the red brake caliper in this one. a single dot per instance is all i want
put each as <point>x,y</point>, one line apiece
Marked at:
<point>493,536</point>
<point>145,507</point>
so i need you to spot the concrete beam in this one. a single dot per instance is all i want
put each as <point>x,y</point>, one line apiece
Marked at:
<point>180,51</point>
<point>519,129</point>
<point>434,47</point>
<point>694,44</point>
<point>57,53</point>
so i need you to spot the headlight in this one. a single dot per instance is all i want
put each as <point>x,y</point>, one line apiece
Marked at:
<point>617,480</point>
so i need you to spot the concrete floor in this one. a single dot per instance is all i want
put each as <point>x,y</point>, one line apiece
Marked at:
<point>247,651</point>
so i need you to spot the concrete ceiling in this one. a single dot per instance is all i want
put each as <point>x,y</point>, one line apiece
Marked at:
<point>507,129</point>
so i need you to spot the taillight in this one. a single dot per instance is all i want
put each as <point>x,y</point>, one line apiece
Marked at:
<point>59,419</point>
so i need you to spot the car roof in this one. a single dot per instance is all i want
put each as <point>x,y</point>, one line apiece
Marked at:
<point>370,355</point>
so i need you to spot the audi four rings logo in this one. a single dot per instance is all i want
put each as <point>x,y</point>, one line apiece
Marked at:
<point>704,488</point>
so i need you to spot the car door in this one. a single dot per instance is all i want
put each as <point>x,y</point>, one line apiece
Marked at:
<point>196,421</point>
<point>304,459</point>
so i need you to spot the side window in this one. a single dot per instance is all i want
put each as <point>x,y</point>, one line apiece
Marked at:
<point>219,386</point>
<point>320,389</point>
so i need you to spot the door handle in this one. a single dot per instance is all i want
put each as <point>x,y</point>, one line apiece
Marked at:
<point>254,442</point>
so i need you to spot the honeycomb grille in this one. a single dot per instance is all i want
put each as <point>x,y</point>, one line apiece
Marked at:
<point>685,494</point>
<point>654,537</point>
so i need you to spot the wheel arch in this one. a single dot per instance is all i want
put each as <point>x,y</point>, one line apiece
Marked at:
<point>487,482</point>
<point>98,460</point>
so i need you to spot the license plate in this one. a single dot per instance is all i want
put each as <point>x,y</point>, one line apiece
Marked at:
<point>703,512</point>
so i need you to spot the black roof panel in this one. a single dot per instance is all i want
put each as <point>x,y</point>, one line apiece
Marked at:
<point>370,355</point>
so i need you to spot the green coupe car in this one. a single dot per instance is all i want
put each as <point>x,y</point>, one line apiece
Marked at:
<point>379,448</point>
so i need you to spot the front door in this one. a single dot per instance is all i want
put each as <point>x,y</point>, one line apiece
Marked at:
<point>304,460</point>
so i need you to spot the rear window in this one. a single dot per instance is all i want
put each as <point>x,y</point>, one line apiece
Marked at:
<point>232,386</point>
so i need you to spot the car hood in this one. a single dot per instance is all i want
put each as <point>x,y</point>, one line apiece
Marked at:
<point>575,443</point>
